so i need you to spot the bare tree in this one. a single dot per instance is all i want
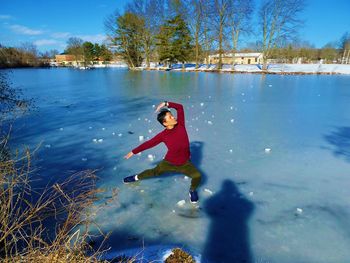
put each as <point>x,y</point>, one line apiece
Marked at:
<point>345,48</point>
<point>239,21</point>
<point>199,15</point>
<point>30,53</point>
<point>279,21</point>
<point>195,20</point>
<point>125,33</point>
<point>220,20</point>
<point>176,8</point>
<point>75,48</point>
<point>328,53</point>
<point>152,13</point>
<point>209,34</point>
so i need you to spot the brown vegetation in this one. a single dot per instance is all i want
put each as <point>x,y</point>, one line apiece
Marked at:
<point>178,255</point>
<point>24,210</point>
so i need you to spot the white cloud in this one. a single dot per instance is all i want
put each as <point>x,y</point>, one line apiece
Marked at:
<point>46,42</point>
<point>5,17</point>
<point>25,30</point>
<point>98,38</point>
<point>61,35</point>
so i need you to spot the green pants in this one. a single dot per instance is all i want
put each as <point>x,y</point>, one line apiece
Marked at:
<point>164,167</point>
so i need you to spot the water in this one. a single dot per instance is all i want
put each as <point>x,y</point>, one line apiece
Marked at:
<point>286,204</point>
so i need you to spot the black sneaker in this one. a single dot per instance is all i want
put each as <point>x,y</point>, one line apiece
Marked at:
<point>193,196</point>
<point>130,179</point>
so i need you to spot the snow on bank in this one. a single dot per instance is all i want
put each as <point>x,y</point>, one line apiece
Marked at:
<point>310,68</point>
<point>272,68</point>
<point>111,65</point>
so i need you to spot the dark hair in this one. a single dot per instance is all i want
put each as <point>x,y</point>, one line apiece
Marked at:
<point>161,115</point>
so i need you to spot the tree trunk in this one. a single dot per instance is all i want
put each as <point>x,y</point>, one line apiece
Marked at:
<point>197,49</point>
<point>196,36</point>
<point>264,66</point>
<point>207,47</point>
<point>148,42</point>
<point>235,35</point>
<point>233,59</point>
<point>220,48</point>
<point>343,57</point>
<point>148,57</point>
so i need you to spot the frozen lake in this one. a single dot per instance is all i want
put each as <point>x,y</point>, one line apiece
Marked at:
<point>274,152</point>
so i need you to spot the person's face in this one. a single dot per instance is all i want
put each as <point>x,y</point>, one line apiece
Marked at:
<point>169,120</point>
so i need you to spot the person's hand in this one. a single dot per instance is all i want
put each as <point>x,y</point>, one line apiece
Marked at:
<point>128,155</point>
<point>161,105</point>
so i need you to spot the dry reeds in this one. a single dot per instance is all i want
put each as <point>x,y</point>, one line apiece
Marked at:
<point>25,213</point>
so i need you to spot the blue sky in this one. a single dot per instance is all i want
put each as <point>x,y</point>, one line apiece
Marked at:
<point>48,24</point>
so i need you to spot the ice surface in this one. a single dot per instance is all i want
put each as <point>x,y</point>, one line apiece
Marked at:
<point>181,203</point>
<point>253,209</point>
<point>267,150</point>
<point>208,191</point>
<point>150,157</point>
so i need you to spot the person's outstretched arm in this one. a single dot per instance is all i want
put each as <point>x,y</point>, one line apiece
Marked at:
<point>146,145</point>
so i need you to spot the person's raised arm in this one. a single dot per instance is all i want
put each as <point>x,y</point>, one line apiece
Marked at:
<point>180,112</point>
<point>179,109</point>
<point>146,145</point>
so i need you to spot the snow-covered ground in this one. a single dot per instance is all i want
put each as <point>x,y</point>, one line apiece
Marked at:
<point>274,68</point>
<point>111,65</point>
<point>273,151</point>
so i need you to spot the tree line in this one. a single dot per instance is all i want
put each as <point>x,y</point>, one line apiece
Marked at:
<point>87,52</point>
<point>27,55</point>
<point>168,31</point>
<point>304,52</point>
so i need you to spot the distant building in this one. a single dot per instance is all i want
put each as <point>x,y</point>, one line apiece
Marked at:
<point>239,58</point>
<point>67,60</point>
<point>70,60</point>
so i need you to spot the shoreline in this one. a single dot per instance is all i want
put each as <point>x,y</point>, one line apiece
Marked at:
<point>273,69</point>
<point>264,72</point>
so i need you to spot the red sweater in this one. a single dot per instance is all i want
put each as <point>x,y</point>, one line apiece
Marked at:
<point>175,139</point>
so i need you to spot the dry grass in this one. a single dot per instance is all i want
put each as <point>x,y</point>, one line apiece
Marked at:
<point>178,255</point>
<point>25,211</point>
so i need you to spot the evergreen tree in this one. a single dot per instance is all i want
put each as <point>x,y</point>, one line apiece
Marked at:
<point>182,40</point>
<point>164,44</point>
<point>174,43</point>
<point>97,50</point>
<point>88,53</point>
<point>105,54</point>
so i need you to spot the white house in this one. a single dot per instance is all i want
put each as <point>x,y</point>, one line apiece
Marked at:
<point>239,58</point>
